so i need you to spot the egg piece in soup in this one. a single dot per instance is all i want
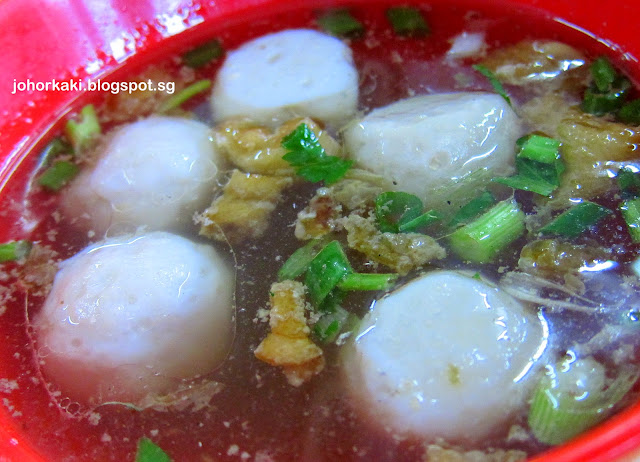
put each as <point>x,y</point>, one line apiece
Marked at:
<point>155,172</point>
<point>133,316</point>
<point>295,72</point>
<point>446,355</point>
<point>439,147</point>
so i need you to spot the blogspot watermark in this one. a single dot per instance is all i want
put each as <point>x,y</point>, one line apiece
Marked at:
<point>20,86</point>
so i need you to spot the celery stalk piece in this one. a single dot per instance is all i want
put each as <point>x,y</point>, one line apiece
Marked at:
<point>482,239</point>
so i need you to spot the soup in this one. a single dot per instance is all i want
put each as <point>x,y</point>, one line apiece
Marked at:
<point>566,302</point>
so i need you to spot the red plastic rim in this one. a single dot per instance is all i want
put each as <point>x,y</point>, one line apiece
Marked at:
<point>46,39</point>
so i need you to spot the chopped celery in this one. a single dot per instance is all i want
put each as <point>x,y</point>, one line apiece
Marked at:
<point>341,23</point>
<point>495,83</point>
<point>14,250</point>
<point>576,220</point>
<point>53,149</point>
<point>58,175</point>
<point>631,213</point>
<point>186,94</point>
<point>148,451</point>
<point>367,281</point>
<point>473,208</point>
<point>83,133</point>
<point>203,55</point>
<point>482,239</point>
<point>408,21</point>
<point>325,271</point>
<point>299,260</point>
<point>568,402</point>
<point>628,182</point>
<point>539,148</point>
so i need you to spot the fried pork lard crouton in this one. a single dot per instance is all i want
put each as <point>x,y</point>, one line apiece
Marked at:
<point>288,344</point>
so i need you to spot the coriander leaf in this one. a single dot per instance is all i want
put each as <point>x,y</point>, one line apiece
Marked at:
<point>148,451</point>
<point>309,158</point>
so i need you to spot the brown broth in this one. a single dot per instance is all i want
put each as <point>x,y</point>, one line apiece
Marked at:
<point>258,414</point>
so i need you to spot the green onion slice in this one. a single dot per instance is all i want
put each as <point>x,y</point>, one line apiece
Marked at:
<point>148,451</point>
<point>495,83</point>
<point>630,113</point>
<point>603,74</point>
<point>557,415</point>
<point>539,148</point>
<point>482,239</point>
<point>300,260</point>
<point>408,21</point>
<point>630,210</point>
<point>423,221</point>
<point>308,157</point>
<point>14,250</point>
<point>186,94</point>
<point>341,23</point>
<point>628,182</point>
<point>82,133</point>
<point>576,220</point>
<point>325,271</point>
<point>53,149</point>
<point>58,175</point>
<point>368,281</point>
<point>472,209</point>
<point>203,55</point>
<point>394,209</point>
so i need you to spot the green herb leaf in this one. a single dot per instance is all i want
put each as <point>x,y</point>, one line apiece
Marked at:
<point>576,220</point>
<point>394,209</point>
<point>628,182</point>
<point>148,451</point>
<point>82,133</point>
<point>186,94</point>
<point>539,148</point>
<point>299,261</point>
<point>599,104</point>
<point>330,325</point>
<point>630,210</point>
<point>58,175</point>
<point>341,23</point>
<point>603,74</point>
<point>630,113</point>
<point>495,83</point>
<point>326,270</point>
<point>203,55</point>
<point>14,250</point>
<point>406,20</point>
<point>309,158</point>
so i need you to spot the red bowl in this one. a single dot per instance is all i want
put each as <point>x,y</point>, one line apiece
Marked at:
<point>46,39</point>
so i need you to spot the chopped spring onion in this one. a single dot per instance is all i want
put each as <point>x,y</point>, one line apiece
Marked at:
<point>14,250</point>
<point>325,271</point>
<point>394,209</point>
<point>630,113</point>
<point>186,94</point>
<point>539,148</point>
<point>53,149</point>
<point>332,324</point>
<point>367,281</point>
<point>83,132</point>
<point>576,220</point>
<point>299,260</point>
<point>599,104</point>
<point>539,166</point>
<point>557,414</point>
<point>495,83</point>
<point>482,239</point>
<point>424,220</point>
<point>631,213</point>
<point>148,451</point>
<point>472,209</point>
<point>58,175</point>
<point>341,23</point>
<point>406,20</point>
<point>603,74</point>
<point>203,55</point>
<point>628,182</point>
<point>308,157</point>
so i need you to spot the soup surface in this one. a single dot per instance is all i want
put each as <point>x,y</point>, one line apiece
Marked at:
<point>581,290</point>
